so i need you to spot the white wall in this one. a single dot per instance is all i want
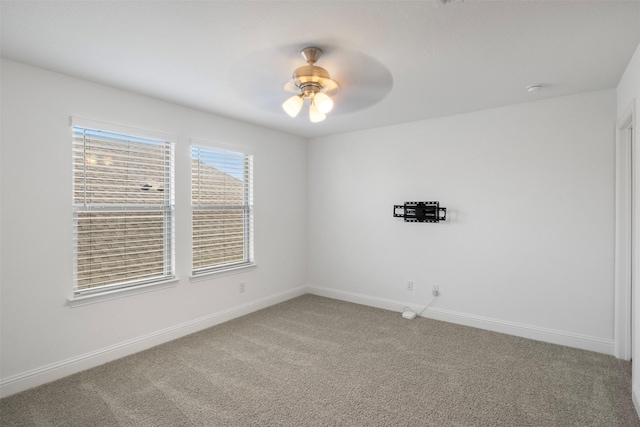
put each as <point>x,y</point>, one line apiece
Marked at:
<point>527,247</point>
<point>628,97</point>
<point>42,337</point>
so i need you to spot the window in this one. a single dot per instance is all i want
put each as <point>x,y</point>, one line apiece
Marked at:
<point>222,209</point>
<point>123,209</point>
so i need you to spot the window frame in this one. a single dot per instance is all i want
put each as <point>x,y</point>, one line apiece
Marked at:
<point>167,207</point>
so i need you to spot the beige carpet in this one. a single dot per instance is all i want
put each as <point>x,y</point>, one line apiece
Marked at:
<point>314,361</point>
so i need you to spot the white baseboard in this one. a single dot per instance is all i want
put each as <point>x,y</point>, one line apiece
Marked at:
<point>54,371</point>
<point>521,330</point>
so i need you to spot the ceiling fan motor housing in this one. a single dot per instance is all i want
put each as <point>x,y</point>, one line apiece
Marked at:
<point>311,79</point>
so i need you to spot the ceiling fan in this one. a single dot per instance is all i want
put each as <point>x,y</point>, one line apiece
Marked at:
<point>313,83</point>
<point>357,80</point>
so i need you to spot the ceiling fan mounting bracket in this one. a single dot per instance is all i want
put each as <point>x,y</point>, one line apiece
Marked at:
<point>311,54</point>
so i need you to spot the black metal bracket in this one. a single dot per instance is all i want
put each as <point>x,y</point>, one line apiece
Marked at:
<point>420,212</point>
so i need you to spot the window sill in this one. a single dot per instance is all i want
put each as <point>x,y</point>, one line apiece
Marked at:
<point>81,300</point>
<point>221,273</point>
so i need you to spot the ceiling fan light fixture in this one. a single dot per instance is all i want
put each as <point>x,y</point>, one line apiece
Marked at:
<point>312,82</point>
<point>293,105</point>
<point>315,115</point>
<point>323,102</point>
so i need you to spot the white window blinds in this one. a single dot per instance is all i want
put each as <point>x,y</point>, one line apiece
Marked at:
<point>123,209</point>
<point>222,209</point>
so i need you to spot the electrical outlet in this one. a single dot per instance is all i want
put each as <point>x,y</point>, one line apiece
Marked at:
<point>410,286</point>
<point>436,290</point>
<point>241,287</point>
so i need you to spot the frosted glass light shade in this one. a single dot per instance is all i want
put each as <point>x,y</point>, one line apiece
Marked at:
<point>292,105</point>
<point>316,115</point>
<point>323,102</point>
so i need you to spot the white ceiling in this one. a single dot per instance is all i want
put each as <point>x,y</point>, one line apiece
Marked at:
<point>396,61</point>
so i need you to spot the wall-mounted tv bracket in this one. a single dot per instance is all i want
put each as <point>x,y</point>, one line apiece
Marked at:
<point>420,212</point>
